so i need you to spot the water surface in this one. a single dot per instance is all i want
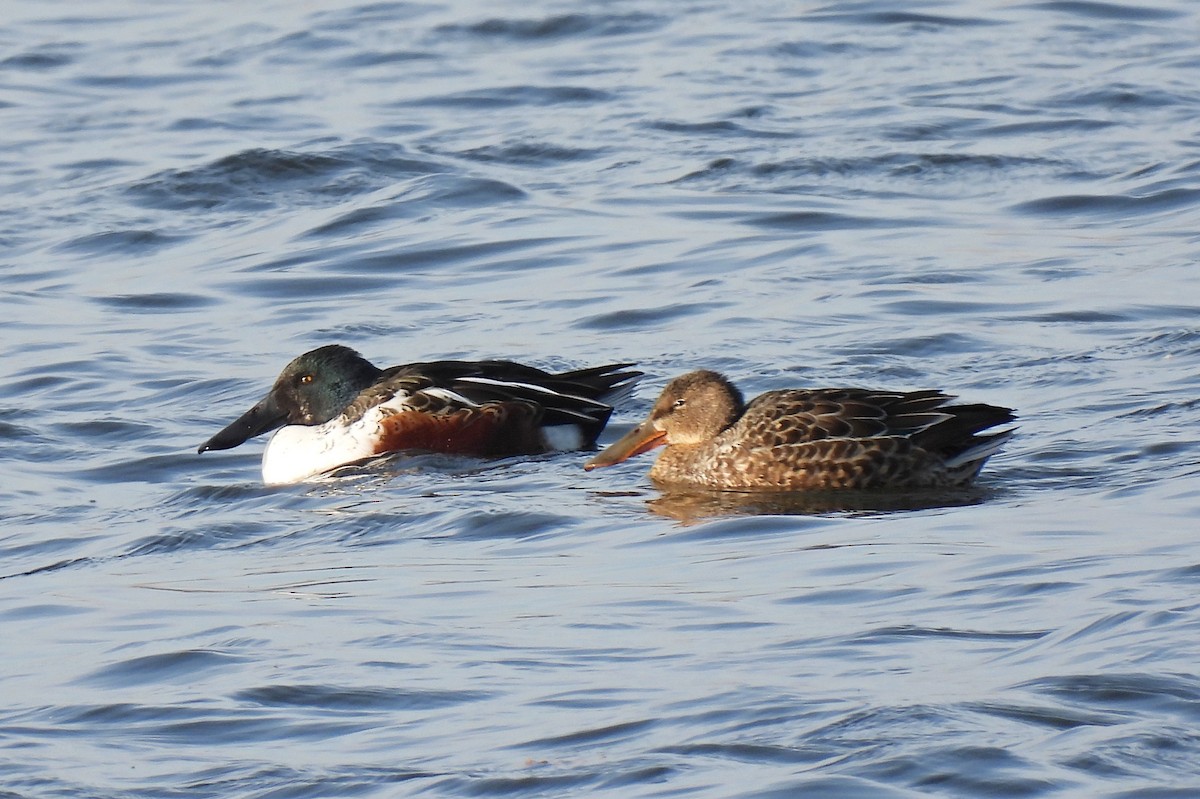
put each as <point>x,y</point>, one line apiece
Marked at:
<point>998,199</point>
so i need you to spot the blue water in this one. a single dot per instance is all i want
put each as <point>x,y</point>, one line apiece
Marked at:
<point>997,199</point>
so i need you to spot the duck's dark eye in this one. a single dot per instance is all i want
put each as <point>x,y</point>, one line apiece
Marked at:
<point>305,379</point>
<point>679,403</point>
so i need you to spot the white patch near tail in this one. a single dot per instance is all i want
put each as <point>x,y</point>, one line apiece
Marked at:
<point>563,437</point>
<point>980,452</point>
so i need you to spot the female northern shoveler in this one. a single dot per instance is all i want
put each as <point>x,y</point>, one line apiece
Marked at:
<point>335,408</point>
<point>806,440</point>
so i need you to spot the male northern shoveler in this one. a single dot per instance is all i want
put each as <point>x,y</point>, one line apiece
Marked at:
<point>335,408</point>
<point>810,440</point>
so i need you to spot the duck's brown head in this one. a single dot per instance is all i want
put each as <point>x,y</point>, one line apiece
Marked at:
<point>692,409</point>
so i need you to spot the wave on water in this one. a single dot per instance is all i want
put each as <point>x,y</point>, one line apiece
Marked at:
<point>260,179</point>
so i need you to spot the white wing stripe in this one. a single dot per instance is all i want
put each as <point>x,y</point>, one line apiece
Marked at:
<point>487,381</point>
<point>449,396</point>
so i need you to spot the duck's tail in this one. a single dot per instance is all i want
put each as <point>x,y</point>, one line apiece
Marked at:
<point>957,437</point>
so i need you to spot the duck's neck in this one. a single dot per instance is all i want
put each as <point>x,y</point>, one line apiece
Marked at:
<point>683,463</point>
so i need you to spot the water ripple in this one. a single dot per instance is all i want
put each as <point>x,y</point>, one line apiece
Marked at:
<point>1111,206</point>
<point>556,27</point>
<point>519,96</point>
<point>166,667</point>
<point>1106,11</point>
<point>260,178</point>
<point>357,699</point>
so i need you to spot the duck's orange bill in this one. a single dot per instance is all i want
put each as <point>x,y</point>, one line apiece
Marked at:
<point>638,440</point>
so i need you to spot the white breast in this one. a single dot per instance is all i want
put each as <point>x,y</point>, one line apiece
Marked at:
<point>297,452</point>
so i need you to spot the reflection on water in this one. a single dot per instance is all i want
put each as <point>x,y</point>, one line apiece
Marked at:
<point>692,506</point>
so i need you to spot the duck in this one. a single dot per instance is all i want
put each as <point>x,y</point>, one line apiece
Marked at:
<point>810,439</point>
<point>331,407</point>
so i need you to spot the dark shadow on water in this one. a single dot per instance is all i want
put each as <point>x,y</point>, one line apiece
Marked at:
<point>695,505</point>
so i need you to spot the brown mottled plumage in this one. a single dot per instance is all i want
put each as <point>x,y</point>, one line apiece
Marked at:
<point>810,439</point>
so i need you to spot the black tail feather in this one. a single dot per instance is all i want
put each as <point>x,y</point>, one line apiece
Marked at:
<point>960,432</point>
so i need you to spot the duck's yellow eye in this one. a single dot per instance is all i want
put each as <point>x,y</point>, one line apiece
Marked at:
<point>306,379</point>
